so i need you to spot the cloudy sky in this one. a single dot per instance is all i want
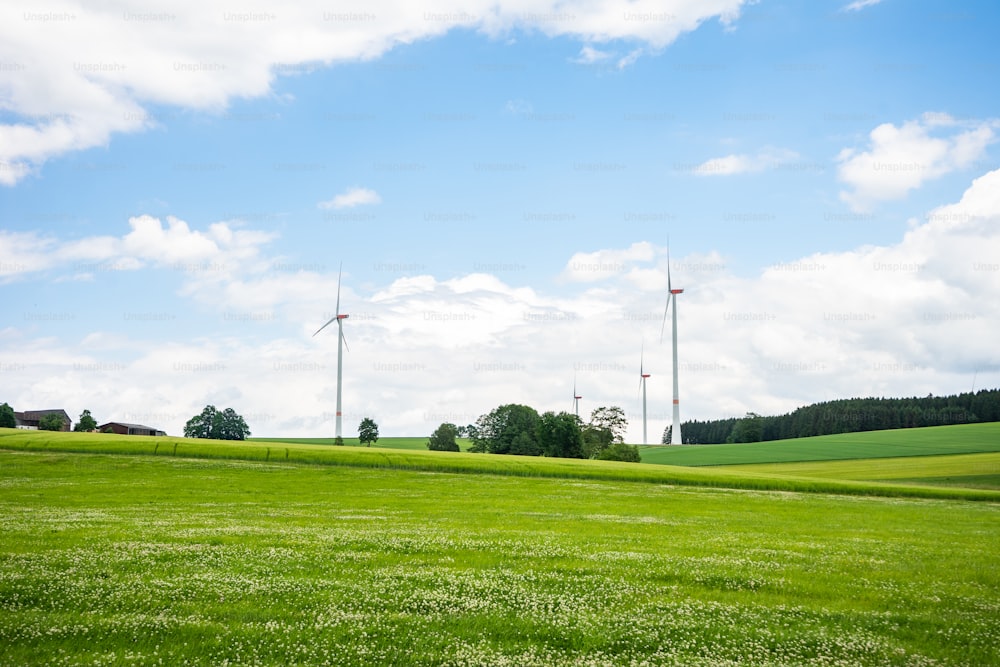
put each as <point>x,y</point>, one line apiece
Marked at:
<point>180,183</point>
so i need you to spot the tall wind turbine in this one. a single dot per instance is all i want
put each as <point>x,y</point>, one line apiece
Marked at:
<point>675,429</point>
<point>642,385</point>
<point>341,344</point>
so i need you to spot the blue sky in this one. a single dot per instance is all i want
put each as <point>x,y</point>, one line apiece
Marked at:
<point>500,181</point>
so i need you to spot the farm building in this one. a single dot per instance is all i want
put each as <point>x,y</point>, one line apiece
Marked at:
<point>122,428</point>
<point>29,419</point>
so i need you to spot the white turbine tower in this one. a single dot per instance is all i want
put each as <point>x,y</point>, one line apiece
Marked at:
<point>642,385</point>
<point>341,344</point>
<point>675,429</point>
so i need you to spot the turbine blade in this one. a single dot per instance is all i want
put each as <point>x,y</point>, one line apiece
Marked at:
<point>332,319</point>
<point>642,354</point>
<point>343,338</point>
<point>338,286</point>
<point>669,286</point>
<point>663,327</point>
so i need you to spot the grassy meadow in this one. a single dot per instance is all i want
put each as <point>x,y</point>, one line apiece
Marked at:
<point>120,560</point>
<point>963,470</point>
<point>930,441</point>
<point>464,462</point>
<point>130,551</point>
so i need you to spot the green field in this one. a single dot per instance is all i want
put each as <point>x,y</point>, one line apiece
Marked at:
<point>383,443</point>
<point>934,440</point>
<point>143,559</point>
<point>964,470</point>
<point>463,462</point>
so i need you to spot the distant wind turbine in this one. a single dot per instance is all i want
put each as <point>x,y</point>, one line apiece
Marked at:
<point>341,344</point>
<point>576,399</point>
<point>642,385</point>
<point>675,429</point>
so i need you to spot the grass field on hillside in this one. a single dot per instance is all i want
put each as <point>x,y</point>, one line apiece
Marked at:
<point>114,560</point>
<point>965,470</point>
<point>930,441</point>
<point>463,462</point>
<point>383,443</point>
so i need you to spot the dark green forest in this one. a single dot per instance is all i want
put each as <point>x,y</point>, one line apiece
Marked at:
<point>847,416</point>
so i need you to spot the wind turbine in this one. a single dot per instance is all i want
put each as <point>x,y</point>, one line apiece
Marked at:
<point>576,399</point>
<point>341,344</point>
<point>642,385</point>
<point>675,429</point>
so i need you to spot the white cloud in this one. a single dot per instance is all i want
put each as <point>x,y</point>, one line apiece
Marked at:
<point>519,107</point>
<point>590,56</point>
<point>22,253</point>
<point>221,249</point>
<point>596,266</point>
<point>352,197</point>
<point>77,73</point>
<point>901,159</point>
<point>767,158</point>
<point>858,5</point>
<point>629,58</point>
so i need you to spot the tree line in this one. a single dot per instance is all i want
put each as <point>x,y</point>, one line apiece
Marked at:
<point>520,429</point>
<point>50,422</point>
<point>847,416</point>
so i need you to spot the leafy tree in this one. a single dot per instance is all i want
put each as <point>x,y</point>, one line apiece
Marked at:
<point>200,426</point>
<point>51,422</point>
<point>7,419</point>
<point>619,451</point>
<point>595,440</point>
<point>470,431</point>
<point>443,438</point>
<point>508,429</point>
<point>748,429</point>
<point>368,431</point>
<point>607,426</point>
<point>610,419</point>
<point>338,441</point>
<point>225,425</point>
<point>86,423</point>
<point>560,435</point>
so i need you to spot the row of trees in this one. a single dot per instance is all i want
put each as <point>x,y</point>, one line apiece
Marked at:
<point>216,424</point>
<point>847,416</point>
<point>519,429</point>
<point>210,423</point>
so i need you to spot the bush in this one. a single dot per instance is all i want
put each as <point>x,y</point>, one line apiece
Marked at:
<point>51,422</point>
<point>620,452</point>
<point>443,439</point>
